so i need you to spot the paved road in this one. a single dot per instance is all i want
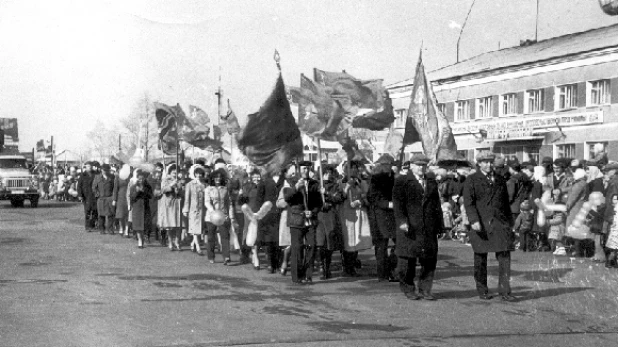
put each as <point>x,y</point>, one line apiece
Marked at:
<point>60,286</point>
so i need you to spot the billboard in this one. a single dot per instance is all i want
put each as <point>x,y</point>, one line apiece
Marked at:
<point>8,127</point>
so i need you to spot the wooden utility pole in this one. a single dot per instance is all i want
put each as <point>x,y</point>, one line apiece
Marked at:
<point>147,130</point>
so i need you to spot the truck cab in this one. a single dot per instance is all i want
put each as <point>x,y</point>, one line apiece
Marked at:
<point>16,182</point>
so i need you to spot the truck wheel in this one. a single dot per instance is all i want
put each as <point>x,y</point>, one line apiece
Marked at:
<point>34,202</point>
<point>17,202</point>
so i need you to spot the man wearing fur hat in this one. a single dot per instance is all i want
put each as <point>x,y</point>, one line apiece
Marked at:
<point>418,217</point>
<point>486,201</point>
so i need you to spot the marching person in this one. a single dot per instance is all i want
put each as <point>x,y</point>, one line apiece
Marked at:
<point>194,208</point>
<point>169,208</point>
<point>328,232</point>
<point>86,195</point>
<point>218,199</point>
<point>120,201</point>
<point>304,202</point>
<point>268,226</point>
<point>380,198</point>
<point>248,195</point>
<point>486,202</point>
<point>140,194</point>
<point>418,216</point>
<point>103,187</point>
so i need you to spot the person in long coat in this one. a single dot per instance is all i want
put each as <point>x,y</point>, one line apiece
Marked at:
<point>87,197</point>
<point>381,214</point>
<point>140,194</point>
<point>354,218</point>
<point>154,180</point>
<point>248,195</point>
<point>287,179</point>
<point>304,202</point>
<point>418,217</point>
<point>486,201</point>
<point>170,208</point>
<point>328,231</point>
<point>194,208</point>
<point>574,203</point>
<point>268,226</point>
<point>103,187</point>
<point>120,201</point>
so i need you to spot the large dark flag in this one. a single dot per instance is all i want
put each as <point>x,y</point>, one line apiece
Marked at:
<point>321,115</point>
<point>168,127</point>
<point>271,138</point>
<point>435,132</point>
<point>231,121</point>
<point>40,146</point>
<point>375,109</point>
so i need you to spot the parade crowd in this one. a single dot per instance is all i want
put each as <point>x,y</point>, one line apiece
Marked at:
<point>295,221</point>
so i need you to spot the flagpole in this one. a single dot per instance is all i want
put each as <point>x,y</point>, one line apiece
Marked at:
<point>320,169</point>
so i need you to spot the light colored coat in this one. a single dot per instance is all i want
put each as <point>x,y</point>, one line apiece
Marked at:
<point>169,205</point>
<point>285,238</point>
<point>194,206</point>
<point>355,220</point>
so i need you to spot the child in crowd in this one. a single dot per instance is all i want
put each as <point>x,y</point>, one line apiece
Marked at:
<point>447,217</point>
<point>557,225</point>
<point>53,188</point>
<point>612,239</point>
<point>462,223</point>
<point>523,227</point>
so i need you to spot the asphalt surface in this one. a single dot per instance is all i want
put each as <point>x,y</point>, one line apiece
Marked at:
<point>60,286</point>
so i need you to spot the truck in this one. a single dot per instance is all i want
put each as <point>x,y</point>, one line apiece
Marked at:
<point>17,184</point>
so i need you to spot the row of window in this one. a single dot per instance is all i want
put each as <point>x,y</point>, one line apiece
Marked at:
<point>597,93</point>
<point>533,101</point>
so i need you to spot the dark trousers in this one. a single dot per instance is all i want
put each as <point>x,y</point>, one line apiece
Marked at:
<point>90,216</point>
<point>105,223</point>
<point>406,269</point>
<point>224,231</point>
<point>527,241</point>
<point>385,264</point>
<point>504,269</point>
<point>244,249</point>
<point>302,252</point>
<point>272,254</point>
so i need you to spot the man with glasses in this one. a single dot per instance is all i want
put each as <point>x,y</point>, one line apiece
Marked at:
<point>486,200</point>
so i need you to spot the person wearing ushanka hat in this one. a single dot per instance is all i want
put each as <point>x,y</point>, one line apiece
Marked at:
<point>103,187</point>
<point>328,230</point>
<point>486,201</point>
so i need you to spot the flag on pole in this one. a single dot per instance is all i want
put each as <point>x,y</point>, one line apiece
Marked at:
<point>271,138</point>
<point>424,116</point>
<point>376,120</point>
<point>40,146</point>
<point>168,127</point>
<point>231,121</point>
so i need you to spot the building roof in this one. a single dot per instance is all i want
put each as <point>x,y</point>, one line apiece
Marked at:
<point>561,46</point>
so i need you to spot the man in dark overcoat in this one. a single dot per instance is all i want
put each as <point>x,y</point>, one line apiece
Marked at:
<point>418,216</point>
<point>381,215</point>
<point>268,227</point>
<point>103,187</point>
<point>86,196</point>
<point>486,200</point>
<point>304,202</point>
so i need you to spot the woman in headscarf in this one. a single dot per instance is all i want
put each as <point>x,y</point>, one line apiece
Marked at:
<point>170,208</point>
<point>354,218</point>
<point>539,186</point>
<point>194,208</point>
<point>140,194</point>
<point>218,199</point>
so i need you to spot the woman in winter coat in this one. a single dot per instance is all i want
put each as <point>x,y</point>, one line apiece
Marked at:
<point>287,179</point>
<point>248,195</point>
<point>170,207</point>
<point>595,184</point>
<point>120,201</point>
<point>354,218</point>
<point>140,194</point>
<point>218,199</point>
<point>194,207</point>
<point>539,185</point>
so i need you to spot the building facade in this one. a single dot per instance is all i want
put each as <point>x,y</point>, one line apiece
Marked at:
<point>553,98</point>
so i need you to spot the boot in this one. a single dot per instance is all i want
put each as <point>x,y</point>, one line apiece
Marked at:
<point>348,265</point>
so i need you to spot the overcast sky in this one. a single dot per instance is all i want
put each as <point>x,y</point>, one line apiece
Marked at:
<point>63,64</point>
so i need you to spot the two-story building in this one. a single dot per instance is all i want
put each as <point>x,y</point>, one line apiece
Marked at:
<point>552,98</point>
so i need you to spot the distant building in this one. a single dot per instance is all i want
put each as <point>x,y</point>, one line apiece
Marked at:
<point>553,98</point>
